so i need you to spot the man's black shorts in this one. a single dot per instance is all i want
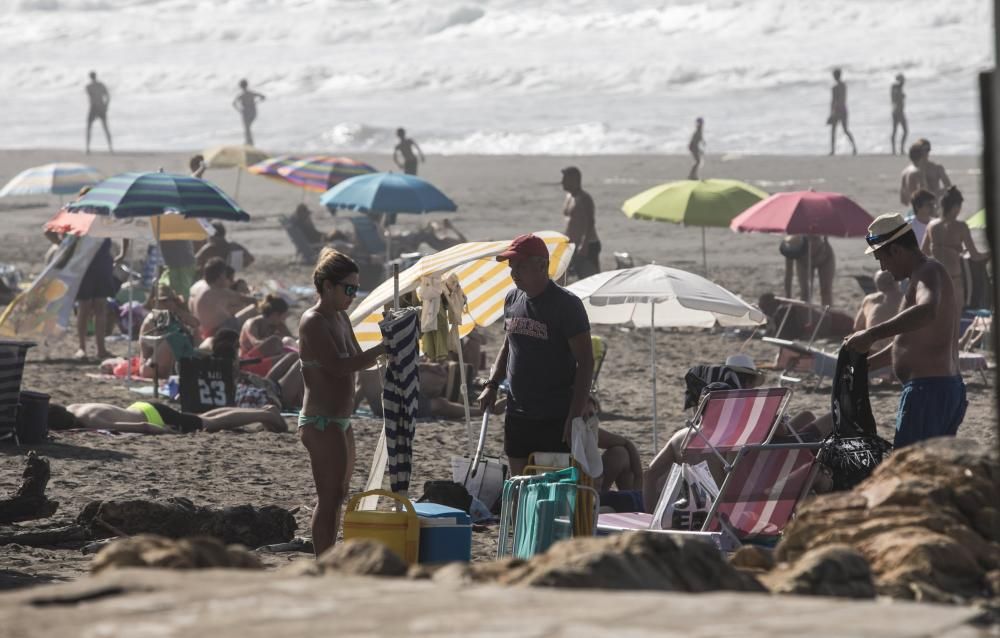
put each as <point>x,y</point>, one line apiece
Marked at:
<point>523,436</point>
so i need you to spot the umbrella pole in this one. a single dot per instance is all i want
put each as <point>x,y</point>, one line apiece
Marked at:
<point>704,258</point>
<point>652,358</point>
<point>128,348</point>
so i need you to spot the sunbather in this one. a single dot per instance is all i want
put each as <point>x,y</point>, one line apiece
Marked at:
<point>432,400</point>
<point>622,465</point>
<point>266,335</point>
<point>219,306</point>
<point>158,418</point>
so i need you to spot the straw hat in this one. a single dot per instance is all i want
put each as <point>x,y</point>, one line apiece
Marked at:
<point>886,229</point>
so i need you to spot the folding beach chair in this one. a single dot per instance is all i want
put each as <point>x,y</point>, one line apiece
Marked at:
<point>308,252</point>
<point>12,355</point>
<point>728,420</point>
<point>797,361</point>
<point>587,505</point>
<point>755,502</point>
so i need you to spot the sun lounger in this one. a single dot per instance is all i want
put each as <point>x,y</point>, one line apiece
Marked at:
<point>798,361</point>
<point>307,251</point>
<point>728,420</point>
<point>755,502</point>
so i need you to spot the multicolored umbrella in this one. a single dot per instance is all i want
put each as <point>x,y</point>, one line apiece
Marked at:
<point>705,203</point>
<point>977,221</point>
<point>318,173</point>
<point>148,194</point>
<point>63,178</point>
<point>387,193</point>
<point>805,213</point>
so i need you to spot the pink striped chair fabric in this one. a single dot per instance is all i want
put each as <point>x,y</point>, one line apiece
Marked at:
<point>731,419</point>
<point>760,494</point>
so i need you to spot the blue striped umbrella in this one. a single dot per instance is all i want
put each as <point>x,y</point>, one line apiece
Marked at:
<point>387,193</point>
<point>148,194</point>
<point>63,178</point>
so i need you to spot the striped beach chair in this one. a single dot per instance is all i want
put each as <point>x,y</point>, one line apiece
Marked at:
<point>755,503</point>
<point>728,420</point>
<point>12,355</point>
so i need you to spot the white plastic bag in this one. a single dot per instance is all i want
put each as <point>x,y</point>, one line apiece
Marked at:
<point>583,444</point>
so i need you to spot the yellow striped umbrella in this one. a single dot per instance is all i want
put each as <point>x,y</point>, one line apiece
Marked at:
<point>484,280</point>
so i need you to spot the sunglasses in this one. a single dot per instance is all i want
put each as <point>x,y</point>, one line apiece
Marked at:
<point>351,290</point>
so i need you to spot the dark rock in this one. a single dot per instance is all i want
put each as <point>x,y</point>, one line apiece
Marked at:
<point>361,557</point>
<point>832,570</point>
<point>147,550</point>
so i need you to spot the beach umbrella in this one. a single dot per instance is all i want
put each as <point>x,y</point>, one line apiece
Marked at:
<point>150,194</point>
<point>239,156</point>
<point>805,213</point>
<point>269,167</point>
<point>171,226</point>
<point>704,203</point>
<point>318,173</point>
<point>977,221</point>
<point>63,178</point>
<point>660,297</point>
<point>387,193</point>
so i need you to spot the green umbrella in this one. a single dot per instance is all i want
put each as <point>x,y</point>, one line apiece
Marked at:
<point>707,202</point>
<point>977,221</point>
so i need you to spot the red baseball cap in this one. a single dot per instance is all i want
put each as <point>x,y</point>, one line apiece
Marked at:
<point>525,246</point>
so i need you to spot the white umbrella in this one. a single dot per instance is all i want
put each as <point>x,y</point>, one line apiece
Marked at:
<point>63,178</point>
<point>661,297</point>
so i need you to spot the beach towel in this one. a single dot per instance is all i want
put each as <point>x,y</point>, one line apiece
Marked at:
<point>400,393</point>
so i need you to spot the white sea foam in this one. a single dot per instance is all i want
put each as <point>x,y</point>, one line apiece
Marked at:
<point>494,76</point>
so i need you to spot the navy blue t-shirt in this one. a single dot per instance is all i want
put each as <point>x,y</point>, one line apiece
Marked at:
<point>540,365</point>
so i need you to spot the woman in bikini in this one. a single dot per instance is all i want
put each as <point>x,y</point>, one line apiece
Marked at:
<point>330,358</point>
<point>946,240</point>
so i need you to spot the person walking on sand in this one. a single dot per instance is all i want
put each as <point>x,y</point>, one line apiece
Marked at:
<point>546,357</point>
<point>246,103</point>
<point>100,100</point>
<point>697,147</point>
<point>898,99</point>
<point>924,349</point>
<point>838,113</point>
<point>331,357</point>
<point>403,154</point>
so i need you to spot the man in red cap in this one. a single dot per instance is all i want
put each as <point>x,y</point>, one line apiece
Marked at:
<point>546,357</point>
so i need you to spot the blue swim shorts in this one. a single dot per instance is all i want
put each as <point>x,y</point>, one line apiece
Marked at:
<point>929,407</point>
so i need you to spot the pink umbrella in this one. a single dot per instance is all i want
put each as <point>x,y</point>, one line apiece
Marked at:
<point>804,213</point>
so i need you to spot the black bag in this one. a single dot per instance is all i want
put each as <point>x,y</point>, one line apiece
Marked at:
<point>447,493</point>
<point>206,383</point>
<point>854,449</point>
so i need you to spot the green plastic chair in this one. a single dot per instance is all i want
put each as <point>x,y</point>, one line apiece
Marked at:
<point>537,511</point>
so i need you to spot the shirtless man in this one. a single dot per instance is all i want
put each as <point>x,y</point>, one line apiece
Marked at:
<point>924,350</point>
<point>880,306</point>
<point>898,99</point>
<point>403,153</point>
<point>246,103</point>
<point>914,176</point>
<point>947,239</point>
<point>838,113</point>
<point>219,306</point>
<point>697,147</point>
<point>99,99</point>
<point>580,224</point>
<point>157,418</point>
<point>934,174</point>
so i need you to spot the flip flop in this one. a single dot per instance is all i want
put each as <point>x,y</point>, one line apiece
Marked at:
<point>80,355</point>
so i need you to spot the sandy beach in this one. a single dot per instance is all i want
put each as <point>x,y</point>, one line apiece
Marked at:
<point>498,197</point>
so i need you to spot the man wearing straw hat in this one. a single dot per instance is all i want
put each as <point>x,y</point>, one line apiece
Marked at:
<point>924,348</point>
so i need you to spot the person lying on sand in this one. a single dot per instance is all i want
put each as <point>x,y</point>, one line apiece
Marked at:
<point>157,418</point>
<point>794,319</point>
<point>432,403</point>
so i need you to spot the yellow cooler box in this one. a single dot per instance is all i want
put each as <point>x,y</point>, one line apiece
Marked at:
<point>399,531</point>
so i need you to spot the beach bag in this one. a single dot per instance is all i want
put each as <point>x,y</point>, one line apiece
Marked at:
<point>854,449</point>
<point>447,493</point>
<point>793,247</point>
